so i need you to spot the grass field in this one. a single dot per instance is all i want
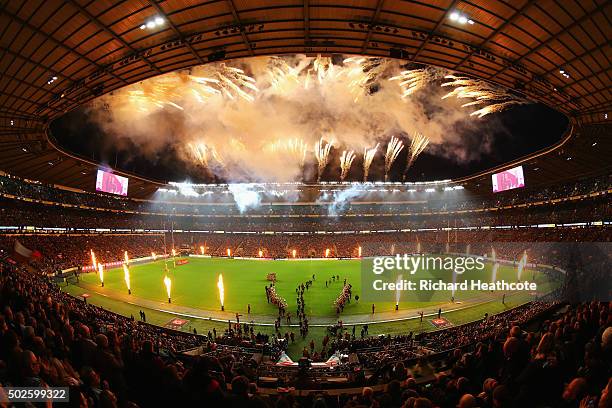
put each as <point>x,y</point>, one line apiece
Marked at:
<point>195,284</point>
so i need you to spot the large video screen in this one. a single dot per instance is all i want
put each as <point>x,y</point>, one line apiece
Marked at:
<point>509,179</point>
<point>111,183</point>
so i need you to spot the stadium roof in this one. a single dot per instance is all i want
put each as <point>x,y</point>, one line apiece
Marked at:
<point>57,55</point>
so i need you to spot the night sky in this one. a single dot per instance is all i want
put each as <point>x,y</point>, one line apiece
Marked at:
<point>513,133</point>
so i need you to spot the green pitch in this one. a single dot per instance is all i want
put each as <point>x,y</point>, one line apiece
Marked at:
<point>194,284</point>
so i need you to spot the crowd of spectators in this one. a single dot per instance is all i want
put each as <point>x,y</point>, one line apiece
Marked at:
<point>221,204</point>
<point>62,251</point>
<point>106,360</point>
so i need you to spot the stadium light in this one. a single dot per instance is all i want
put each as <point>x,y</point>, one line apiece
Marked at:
<point>460,18</point>
<point>151,24</point>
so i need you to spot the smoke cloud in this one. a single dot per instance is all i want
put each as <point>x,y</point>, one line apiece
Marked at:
<point>232,120</point>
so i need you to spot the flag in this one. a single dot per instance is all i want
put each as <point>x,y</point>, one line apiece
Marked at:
<point>21,253</point>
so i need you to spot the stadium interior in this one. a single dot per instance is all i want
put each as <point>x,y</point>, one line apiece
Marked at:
<point>195,197</point>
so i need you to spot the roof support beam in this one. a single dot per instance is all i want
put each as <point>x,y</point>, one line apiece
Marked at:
<point>306,21</point>
<point>110,32</point>
<point>176,31</point>
<point>373,21</point>
<point>61,45</point>
<point>517,13</point>
<point>237,20</point>
<point>549,40</point>
<point>433,31</point>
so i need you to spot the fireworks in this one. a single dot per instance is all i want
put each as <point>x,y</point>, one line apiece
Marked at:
<point>295,147</point>
<point>126,258</point>
<point>281,75</point>
<point>94,263</point>
<point>322,149</point>
<point>201,153</point>
<point>232,82</point>
<point>323,67</point>
<point>168,285</point>
<point>346,160</point>
<point>126,277</point>
<point>368,157</point>
<point>362,72</point>
<point>494,98</point>
<point>221,291</point>
<point>394,148</point>
<point>418,143</point>
<point>413,80</point>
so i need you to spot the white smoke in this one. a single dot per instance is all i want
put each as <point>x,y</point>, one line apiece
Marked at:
<point>245,195</point>
<point>344,104</point>
<point>340,200</point>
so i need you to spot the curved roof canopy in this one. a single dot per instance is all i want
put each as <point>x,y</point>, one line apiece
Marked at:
<point>57,55</point>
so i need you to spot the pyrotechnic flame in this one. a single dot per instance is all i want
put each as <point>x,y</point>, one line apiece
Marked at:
<point>346,160</point>
<point>394,148</point>
<point>521,265</point>
<point>322,149</point>
<point>168,284</point>
<point>412,80</point>
<point>101,272</point>
<point>94,263</point>
<point>202,249</point>
<point>495,98</point>
<point>418,143</point>
<point>126,258</point>
<point>221,290</point>
<point>398,292</point>
<point>153,256</point>
<point>126,276</point>
<point>495,265</point>
<point>368,157</point>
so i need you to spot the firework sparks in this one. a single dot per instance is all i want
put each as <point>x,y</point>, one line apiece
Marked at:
<point>281,75</point>
<point>494,98</point>
<point>418,143</point>
<point>412,80</point>
<point>394,148</point>
<point>322,149</point>
<point>295,147</point>
<point>362,73</point>
<point>232,82</point>
<point>346,160</point>
<point>368,157</point>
